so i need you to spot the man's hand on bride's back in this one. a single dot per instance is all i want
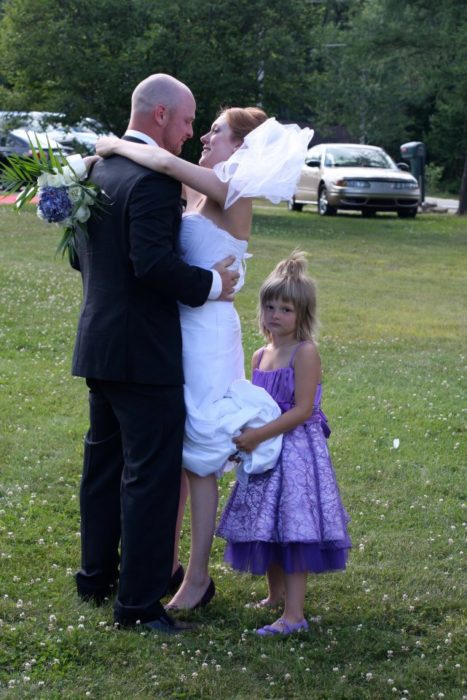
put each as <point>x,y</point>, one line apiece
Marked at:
<point>229,278</point>
<point>106,146</point>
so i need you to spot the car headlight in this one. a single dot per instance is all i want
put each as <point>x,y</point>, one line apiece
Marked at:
<point>405,185</point>
<point>348,182</point>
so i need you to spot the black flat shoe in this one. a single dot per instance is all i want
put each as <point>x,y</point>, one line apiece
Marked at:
<point>164,624</point>
<point>206,598</point>
<point>176,580</point>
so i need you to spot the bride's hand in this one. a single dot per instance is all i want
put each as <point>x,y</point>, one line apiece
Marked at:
<point>107,146</point>
<point>89,162</point>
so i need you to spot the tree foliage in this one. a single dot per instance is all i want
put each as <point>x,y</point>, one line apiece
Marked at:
<point>84,58</point>
<point>396,72</point>
<point>387,71</point>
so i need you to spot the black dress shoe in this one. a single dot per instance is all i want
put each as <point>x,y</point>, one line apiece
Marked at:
<point>164,623</point>
<point>176,580</point>
<point>206,598</point>
<point>99,597</point>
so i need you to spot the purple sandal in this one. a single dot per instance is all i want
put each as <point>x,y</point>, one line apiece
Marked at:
<point>270,631</point>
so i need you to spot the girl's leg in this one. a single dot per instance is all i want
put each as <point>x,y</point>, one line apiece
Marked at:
<point>180,514</point>
<point>203,504</point>
<point>276,587</point>
<point>295,588</point>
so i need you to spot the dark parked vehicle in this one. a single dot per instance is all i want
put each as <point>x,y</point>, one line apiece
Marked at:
<point>79,137</point>
<point>355,177</point>
<point>16,141</point>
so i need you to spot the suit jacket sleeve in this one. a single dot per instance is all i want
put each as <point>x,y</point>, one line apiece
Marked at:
<point>154,215</point>
<point>74,259</point>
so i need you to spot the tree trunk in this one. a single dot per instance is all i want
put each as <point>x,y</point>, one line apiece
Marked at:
<point>462,211</point>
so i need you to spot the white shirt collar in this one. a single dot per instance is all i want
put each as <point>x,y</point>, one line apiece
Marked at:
<point>141,136</point>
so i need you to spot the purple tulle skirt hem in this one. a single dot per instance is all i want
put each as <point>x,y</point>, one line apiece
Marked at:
<point>293,557</point>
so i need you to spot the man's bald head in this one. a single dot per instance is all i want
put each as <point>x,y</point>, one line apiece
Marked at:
<point>157,89</point>
<point>164,108</point>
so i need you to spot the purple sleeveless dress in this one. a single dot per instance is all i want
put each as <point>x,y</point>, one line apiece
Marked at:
<point>291,515</point>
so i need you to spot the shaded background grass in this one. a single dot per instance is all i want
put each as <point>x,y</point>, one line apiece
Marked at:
<point>391,299</point>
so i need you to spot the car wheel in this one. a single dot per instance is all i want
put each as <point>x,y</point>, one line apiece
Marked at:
<point>368,213</point>
<point>409,213</point>
<point>293,206</point>
<point>324,208</point>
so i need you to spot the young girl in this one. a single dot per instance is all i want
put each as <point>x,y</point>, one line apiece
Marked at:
<point>290,520</point>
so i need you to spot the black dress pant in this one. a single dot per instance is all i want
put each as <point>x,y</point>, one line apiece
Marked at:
<point>129,494</point>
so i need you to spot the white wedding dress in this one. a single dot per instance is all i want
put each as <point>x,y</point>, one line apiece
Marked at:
<point>219,401</point>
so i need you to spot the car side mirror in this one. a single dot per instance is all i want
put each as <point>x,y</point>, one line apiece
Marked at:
<point>403,166</point>
<point>313,163</point>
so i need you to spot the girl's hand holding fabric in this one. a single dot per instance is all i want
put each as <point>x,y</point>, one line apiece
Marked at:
<point>248,440</point>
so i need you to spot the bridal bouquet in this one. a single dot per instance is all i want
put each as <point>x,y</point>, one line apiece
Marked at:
<point>64,193</point>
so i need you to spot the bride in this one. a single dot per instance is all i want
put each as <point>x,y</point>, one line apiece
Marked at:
<point>244,155</point>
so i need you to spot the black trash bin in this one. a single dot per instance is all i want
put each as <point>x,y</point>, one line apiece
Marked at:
<point>415,153</point>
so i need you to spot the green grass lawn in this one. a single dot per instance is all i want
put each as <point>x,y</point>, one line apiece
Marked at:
<point>393,340</point>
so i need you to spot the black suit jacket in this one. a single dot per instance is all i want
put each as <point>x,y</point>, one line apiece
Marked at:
<point>129,328</point>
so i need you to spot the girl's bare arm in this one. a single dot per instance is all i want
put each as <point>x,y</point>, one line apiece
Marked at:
<point>307,376</point>
<point>202,180</point>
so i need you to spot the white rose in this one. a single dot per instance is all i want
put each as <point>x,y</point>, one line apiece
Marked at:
<point>50,180</point>
<point>74,193</point>
<point>82,214</point>
<point>88,199</point>
<point>77,164</point>
<point>68,176</point>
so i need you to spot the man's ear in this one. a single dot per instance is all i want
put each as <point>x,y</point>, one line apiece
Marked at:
<point>160,115</point>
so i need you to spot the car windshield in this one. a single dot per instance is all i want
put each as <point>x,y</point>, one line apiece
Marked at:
<point>338,157</point>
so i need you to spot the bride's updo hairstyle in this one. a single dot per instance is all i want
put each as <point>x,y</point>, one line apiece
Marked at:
<point>242,120</point>
<point>290,282</point>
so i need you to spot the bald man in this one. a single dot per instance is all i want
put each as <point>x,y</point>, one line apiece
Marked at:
<point>128,347</point>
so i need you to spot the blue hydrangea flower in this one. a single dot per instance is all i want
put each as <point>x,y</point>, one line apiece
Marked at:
<point>54,204</point>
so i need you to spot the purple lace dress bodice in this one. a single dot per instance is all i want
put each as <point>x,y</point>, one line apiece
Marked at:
<point>291,515</point>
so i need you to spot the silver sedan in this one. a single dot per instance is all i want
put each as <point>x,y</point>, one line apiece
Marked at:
<point>355,177</point>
